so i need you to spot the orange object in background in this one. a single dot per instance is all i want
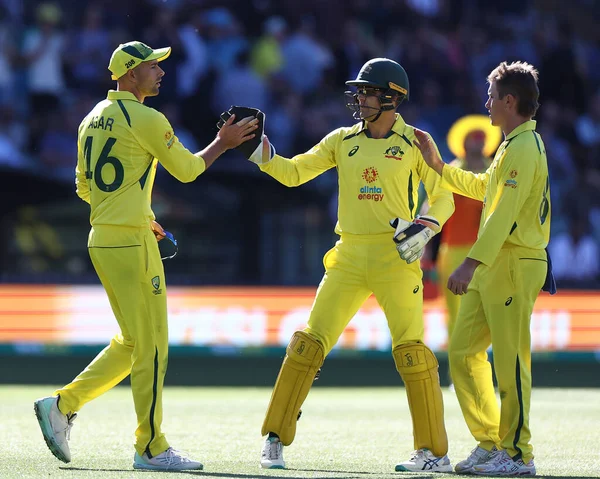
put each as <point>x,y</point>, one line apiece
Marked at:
<point>430,279</point>
<point>259,317</point>
<point>463,226</point>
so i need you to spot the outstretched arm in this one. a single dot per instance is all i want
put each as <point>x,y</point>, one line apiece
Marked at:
<point>230,135</point>
<point>159,139</point>
<point>459,181</point>
<point>289,172</point>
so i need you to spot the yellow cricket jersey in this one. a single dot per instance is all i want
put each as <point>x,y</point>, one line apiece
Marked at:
<point>119,145</point>
<point>378,178</point>
<point>515,191</point>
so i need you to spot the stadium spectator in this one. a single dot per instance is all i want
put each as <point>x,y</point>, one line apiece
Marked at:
<point>447,46</point>
<point>574,252</point>
<point>43,53</point>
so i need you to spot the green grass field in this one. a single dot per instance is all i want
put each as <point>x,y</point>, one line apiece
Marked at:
<point>344,433</point>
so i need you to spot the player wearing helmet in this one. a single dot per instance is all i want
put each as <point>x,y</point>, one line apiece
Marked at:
<point>379,173</point>
<point>382,85</point>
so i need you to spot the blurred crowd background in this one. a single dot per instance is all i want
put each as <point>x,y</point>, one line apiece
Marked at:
<point>290,58</point>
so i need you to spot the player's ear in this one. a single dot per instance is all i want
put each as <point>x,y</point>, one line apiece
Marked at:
<point>510,100</point>
<point>131,75</point>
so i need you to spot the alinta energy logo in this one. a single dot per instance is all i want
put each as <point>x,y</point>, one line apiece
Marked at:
<point>367,192</point>
<point>370,174</point>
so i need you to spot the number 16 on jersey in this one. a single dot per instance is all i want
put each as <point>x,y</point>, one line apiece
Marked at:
<point>104,159</point>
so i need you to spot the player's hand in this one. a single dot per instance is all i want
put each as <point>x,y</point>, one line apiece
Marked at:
<point>232,135</point>
<point>254,148</point>
<point>411,237</point>
<point>425,145</point>
<point>158,230</point>
<point>459,281</point>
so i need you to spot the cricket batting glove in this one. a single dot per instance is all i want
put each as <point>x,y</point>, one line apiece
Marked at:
<point>411,238</point>
<point>253,148</point>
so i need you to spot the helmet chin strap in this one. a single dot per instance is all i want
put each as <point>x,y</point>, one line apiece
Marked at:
<point>382,107</point>
<point>379,112</point>
<point>353,104</point>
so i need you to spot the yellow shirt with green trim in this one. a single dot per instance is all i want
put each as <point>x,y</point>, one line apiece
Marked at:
<point>515,191</point>
<point>119,145</point>
<point>378,178</point>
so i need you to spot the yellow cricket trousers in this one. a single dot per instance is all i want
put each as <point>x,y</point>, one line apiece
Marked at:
<point>355,267</point>
<point>134,280</point>
<point>497,310</point>
<point>450,257</point>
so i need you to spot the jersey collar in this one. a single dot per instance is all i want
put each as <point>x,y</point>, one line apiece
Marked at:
<point>398,126</point>
<point>121,95</point>
<point>528,125</point>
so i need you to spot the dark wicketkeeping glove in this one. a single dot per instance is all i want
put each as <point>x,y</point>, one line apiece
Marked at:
<point>411,238</point>
<point>251,149</point>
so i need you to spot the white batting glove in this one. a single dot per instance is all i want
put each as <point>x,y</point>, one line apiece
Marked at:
<point>411,238</point>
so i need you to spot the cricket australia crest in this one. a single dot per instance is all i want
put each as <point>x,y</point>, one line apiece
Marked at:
<point>156,285</point>
<point>394,152</point>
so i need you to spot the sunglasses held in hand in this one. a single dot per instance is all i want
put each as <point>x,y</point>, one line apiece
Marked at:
<point>168,249</point>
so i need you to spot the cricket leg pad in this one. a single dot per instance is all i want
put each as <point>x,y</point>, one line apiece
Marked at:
<point>418,368</point>
<point>304,356</point>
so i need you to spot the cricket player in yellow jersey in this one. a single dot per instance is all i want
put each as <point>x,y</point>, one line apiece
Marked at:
<point>472,139</point>
<point>501,277</point>
<point>379,172</point>
<point>120,143</point>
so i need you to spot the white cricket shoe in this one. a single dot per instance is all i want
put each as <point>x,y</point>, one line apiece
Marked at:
<point>271,456</point>
<point>56,427</point>
<point>170,460</point>
<point>423,460</point>
<point>479,455</point>
<point>501,464</point>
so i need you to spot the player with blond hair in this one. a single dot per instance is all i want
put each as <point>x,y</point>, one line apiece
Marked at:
<point>501,277</point>
<point>472,140</point>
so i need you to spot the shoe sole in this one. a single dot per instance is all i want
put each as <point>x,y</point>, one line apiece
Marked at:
<point>275,466</point>
<point>400,468</point>
<point>42,418</point>
<point>146,467</point>
<point>516,474</point>
<point>466,471</point>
